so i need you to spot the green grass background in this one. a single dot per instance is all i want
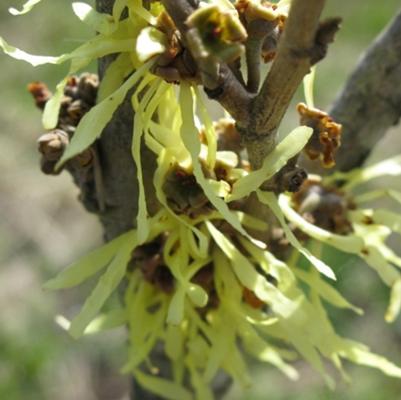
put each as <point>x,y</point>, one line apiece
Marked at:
<point>43,228</point>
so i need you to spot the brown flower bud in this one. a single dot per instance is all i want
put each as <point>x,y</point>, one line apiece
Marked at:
<point>292,180</point>
<point>71,88</point>
<point>40,93</point>
<point>52,144</point>
<point>76,110</point>
<point>49,167</point>
<point>88,85</point>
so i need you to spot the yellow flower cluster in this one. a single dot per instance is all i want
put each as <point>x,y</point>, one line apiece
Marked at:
<point>210,284</point>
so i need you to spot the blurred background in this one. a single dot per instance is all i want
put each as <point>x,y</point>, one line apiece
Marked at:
<point>43,227</point>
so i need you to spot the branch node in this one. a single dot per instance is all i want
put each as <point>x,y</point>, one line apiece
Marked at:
<point>291,181</point>
<point>214,94</point>
<point>249,136</point>
<point>324,36</point>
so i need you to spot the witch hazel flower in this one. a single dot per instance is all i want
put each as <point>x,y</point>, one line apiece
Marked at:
<point>198,280</point>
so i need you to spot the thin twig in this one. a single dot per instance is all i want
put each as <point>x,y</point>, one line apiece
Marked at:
<point>258,117</point>
<point>253,50</point>
<point>257,32</point>
<point>292,63</point>
<point>227,90</point>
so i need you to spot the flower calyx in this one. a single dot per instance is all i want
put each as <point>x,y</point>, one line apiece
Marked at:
<point>220,32</point>
<point>264,21</point>
<point>149,259</point>
<point>215,36</point>
<point>252,10</point>
<point>324,206</point>
<point>184,195</point>
<point>326,138</point>
<point>174,62</point>
<point>228,137</point>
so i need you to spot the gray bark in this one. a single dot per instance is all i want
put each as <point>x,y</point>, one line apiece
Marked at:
<point>118,169</point>
<point>120,183</point>
<point>370,102</point>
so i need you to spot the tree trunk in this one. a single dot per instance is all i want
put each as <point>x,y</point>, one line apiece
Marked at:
<point>121,193</point>
<point>118,169</point>
<point>120,184</point>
